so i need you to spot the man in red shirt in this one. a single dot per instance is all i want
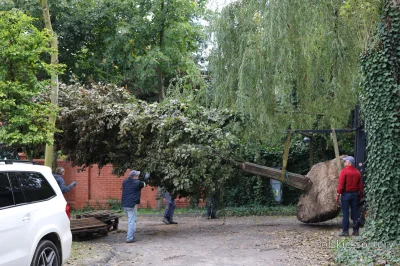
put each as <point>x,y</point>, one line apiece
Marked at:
<point>350,188</point>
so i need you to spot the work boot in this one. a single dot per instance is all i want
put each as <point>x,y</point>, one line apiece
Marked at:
<point>344,233</point>
<point>172,222</point>
<point>130,241</point>
<point>165,220</point>
<point>355,233</point>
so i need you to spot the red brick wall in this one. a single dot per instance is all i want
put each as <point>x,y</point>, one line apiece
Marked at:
<point>96,188</point>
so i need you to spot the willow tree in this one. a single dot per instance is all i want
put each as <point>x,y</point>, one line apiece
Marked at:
<point>285,63</point>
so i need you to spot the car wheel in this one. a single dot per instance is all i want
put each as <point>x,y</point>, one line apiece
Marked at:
<point>46,254</point>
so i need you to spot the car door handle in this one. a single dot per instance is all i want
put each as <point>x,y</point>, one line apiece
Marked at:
<point>27,217</point>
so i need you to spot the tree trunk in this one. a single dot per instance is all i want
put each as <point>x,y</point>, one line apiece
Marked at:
<point>160,81</point>
<point>160,85</point>
<point>54,78</point>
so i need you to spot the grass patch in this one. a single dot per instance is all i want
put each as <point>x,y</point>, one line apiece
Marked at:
<point>260,211</point>
<point>232,211</point>
<point>358,251</point>
<point>227,212</point>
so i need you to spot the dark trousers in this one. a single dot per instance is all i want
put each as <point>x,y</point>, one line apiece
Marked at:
<point>211,208</point>
<point>350,200</point>
<point>170,207</point>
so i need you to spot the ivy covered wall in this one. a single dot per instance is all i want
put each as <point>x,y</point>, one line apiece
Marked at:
<point>381,98</point>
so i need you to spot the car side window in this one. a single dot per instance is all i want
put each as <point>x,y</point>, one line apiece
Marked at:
<point>6,196</point>
<point>16,187</point>
<point>34,186</point>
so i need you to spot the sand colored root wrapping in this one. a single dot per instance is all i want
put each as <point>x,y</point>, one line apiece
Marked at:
<point>318,202</point>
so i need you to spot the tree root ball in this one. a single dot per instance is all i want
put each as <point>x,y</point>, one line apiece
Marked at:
<point>318,202</point>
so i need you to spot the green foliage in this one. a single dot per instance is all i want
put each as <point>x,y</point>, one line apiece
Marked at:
<point>185,147</point>
<point>259,211</point>
<point>115,204</point>
<point>245,190</point>
<point>128,49</point>
<point>359,251</point>
<point>286,64</point>
<point>362,15</point>
<point>381,97</point>
<point>24,81</point>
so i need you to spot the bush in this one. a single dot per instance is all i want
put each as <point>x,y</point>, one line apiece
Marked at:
<point>115,204</point>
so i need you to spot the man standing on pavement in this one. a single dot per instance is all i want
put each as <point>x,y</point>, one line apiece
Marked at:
<point>131,192</point>
<point>59,176</point>
<point>350,188</point>
<point>169,210</point>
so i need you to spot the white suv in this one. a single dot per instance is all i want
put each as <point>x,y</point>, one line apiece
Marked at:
<point>34,216</point>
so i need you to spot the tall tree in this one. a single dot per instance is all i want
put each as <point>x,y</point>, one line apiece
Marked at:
<point>174,33</point>
<point>285,63</point>
<point>48,159</point>
<point>24,106</point>
<point>143,45</point>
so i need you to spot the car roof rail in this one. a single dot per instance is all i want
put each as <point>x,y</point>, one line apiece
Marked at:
<point>18,161</point>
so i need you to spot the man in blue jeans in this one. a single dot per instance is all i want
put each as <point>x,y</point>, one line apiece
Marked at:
<point>131,192</point>
<point>169,210</point>
<point>350,188</point>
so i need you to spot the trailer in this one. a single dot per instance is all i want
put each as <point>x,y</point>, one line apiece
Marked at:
<point>91,223</point>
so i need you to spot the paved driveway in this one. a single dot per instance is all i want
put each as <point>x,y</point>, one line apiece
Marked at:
<point>255,240</point>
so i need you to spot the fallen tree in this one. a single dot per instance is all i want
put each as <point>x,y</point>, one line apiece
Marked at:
<point>185,147</point>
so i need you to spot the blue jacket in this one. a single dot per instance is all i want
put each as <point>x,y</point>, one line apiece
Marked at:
<point>61,184</point>
<point>131,191</point>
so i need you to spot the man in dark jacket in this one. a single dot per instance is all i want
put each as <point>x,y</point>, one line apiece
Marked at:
<point>59,176</point>
<point>350,188</point>
<point>131,192</point>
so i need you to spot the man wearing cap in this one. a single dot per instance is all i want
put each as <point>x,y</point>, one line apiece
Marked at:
<point>131,192</point>
<point>350,188</point>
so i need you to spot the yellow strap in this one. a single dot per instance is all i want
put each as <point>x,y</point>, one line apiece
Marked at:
<point>336,148</point>
<point>285,158</point>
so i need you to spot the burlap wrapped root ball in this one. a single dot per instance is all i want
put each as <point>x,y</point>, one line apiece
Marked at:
<point>318,202</point>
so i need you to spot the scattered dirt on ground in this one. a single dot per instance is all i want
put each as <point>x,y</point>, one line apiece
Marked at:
<point>255,240</point>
